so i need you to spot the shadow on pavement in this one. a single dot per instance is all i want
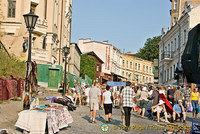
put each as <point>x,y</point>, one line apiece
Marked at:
<point>195,120</point>
<point>86,118</point>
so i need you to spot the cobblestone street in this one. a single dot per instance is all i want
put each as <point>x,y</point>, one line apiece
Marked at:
<point>82,126</point>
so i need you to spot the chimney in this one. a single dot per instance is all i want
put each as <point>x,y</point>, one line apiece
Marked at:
<point>106,42</point>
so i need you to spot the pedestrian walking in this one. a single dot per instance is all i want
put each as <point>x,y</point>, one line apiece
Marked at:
<point>127,100</point>
<point>107,104</point>
<point>195,101</point>
<point>170,95</point>
<point>143,102</point>
<point>94,100</point>
<point>77,94</point>
<point>178,95</point>
<point>87,94</point>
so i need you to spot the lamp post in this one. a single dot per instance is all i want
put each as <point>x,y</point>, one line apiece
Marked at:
<point>30,21</point>
<point>66,51</point>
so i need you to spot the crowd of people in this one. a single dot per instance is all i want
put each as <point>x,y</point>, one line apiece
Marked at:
<point>155,102</point>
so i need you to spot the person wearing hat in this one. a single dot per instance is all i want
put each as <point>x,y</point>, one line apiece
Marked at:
<point>179,111</point>
<point>159,108</point>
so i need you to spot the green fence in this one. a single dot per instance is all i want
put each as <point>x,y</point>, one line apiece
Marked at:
<point>74,79</point>
<point>43,72</point>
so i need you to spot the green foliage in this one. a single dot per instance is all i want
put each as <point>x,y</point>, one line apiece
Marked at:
<point>150,51</point>
<point>87,67</point>
<point>9,66</point>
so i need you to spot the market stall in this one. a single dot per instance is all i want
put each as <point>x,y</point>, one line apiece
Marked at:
<point>35,121</point>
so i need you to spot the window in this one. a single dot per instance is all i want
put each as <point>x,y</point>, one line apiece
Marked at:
<point>149,80</point>
<point>131,65</point>
<point>139,67</point>
<point>127,64</point>
<point>122,73</point>
<point>174,70</point>
<point>175,44</point>
<point>143,78</point>
<point>170,72</point>
<point>175,4</point>
<point>11,8</point>
<point>130,76</point>
<point>167,75</point>
<point>147,69</point>
<point>144,68</point>
<point>150,70</point>
<point>184,36</point>
<point>174,20</point>
<point>44,43</point>
<point>56,13</point>
<point>127,75</point>
<point>135,66</point>
<point>171,46</point>
<point>123,63</point>
<point>97,68</point>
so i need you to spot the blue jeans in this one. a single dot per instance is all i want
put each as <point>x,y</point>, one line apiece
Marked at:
<point>195,106</point>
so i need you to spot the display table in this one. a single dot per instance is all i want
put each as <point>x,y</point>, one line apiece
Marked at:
<point>35,121</point>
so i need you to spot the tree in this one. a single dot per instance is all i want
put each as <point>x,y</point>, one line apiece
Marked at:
<point>150,51</point>
<point>10,67</point>
<point>87,67</point>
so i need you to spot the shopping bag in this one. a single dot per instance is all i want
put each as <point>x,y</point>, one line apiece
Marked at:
<point>189,109</point>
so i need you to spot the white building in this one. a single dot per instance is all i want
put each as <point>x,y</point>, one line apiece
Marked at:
<point>108,53</point>
<point>173,43</point>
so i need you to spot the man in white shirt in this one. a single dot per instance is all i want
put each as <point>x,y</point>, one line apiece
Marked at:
<point>94,100</point>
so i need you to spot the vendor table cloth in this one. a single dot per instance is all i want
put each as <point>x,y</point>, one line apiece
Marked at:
<point>34,121</point>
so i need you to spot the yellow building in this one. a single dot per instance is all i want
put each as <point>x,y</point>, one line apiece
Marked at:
<point>136,69</point>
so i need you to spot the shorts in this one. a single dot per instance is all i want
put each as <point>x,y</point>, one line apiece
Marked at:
<point>143,104</point>
<point>108,108</point>
<point>94,106</point>
<point>78,95</point>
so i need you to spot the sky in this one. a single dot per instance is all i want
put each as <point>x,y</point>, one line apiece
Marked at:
<point>126,24</point>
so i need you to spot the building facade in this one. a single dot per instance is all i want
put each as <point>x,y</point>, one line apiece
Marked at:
<point>179,7</point>
<point>74,60</point>
<point>107,53</point>
<point>51,33</point>
<point>137,70</point>
<point>52,30</point>
<point>98,65</point>
<point>172,45</point>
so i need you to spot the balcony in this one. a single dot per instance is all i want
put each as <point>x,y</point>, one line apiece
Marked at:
<point>40,27</point>
<point>40,56</point>
<point>167,56</point>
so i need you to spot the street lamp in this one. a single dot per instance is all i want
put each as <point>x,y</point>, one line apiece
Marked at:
<point>66,51</point>
<point>30,20</point>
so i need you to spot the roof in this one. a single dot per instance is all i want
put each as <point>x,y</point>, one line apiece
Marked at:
<point>93,54</point>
